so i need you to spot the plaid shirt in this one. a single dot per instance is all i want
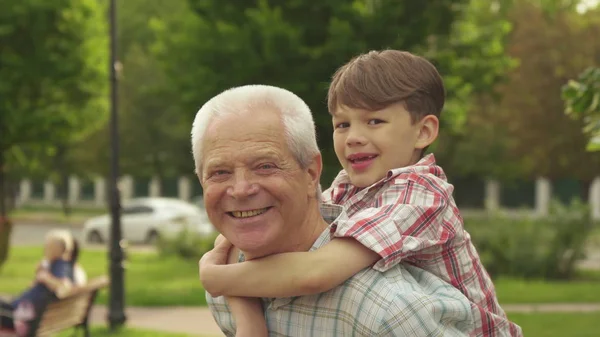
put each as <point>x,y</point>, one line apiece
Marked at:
<point>403,301</point>
<point>411,216</point>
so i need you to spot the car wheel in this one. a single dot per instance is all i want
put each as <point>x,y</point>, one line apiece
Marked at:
<point>152,237</point>
<point>94,237</point>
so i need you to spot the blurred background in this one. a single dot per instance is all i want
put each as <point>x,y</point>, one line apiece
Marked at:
<point>519,137</point>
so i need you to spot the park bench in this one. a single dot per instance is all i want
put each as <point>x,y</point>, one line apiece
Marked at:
<point>71,310</point>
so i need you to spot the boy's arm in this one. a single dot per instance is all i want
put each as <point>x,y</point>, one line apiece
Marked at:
<point>247,312</point>
<point>409,223</point>
<point>290,274</point>
<point>249,317</point>
<point>414,220</point>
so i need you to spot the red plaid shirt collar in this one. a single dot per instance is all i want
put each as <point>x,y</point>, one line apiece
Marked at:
<point>427,165</point>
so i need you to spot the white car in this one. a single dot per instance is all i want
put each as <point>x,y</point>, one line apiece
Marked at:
<point>146,219</point>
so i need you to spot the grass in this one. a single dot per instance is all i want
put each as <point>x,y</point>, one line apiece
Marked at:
<point>151,280</point>
<point>582,290</point>
<point>558,324</point>
<point>126,332</point>
<point>533,325</point>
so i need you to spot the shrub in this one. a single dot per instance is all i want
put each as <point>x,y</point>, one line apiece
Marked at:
<point>531,247</point>
<point>186,245</point>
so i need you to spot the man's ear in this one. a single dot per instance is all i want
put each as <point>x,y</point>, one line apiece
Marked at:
<point>313,173</point>
<point>428,131</point>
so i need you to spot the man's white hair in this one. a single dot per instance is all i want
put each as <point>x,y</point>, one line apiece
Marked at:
<point>297,120</point>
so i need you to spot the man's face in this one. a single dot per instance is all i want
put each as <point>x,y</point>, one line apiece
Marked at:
<point>255,192</point>
<point>370,143</point>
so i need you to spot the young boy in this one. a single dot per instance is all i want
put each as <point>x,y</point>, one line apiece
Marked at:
<point>385,108</point>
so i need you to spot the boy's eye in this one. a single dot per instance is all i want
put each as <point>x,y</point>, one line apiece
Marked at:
<point>342,125</point>
<point>376,121</point>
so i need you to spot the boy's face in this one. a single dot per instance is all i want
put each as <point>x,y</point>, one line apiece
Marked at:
<point>370,143</point>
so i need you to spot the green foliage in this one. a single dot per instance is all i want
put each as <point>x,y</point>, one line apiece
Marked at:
<point>522,131</point>
<point>53,70</point>
<point>53,88</point>
<point>533,247</point>
<point>185,245</point>
<point>473,58</point>
<point>222,45</point>
<point>582,102</point>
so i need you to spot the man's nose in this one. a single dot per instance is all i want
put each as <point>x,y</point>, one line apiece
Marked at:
<point>355,137</point>
<point>242,187</point>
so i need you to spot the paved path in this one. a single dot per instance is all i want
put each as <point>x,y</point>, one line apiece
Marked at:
<point>552,307</point>
<point>197,321</point>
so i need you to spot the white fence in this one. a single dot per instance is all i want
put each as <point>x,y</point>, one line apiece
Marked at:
<point>185,191</point>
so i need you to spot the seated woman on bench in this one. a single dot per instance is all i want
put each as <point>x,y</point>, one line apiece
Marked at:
<point>58,277</point>
<point>79,274</point>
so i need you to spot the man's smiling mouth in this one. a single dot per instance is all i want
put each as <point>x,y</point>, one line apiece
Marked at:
<point>248,214</point>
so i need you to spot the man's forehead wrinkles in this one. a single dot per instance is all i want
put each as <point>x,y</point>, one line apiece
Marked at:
<point>245,155</point>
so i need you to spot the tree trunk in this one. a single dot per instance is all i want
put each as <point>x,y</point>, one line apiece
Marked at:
<point>586,185</point>
<point>3,209</point>
<point>61,167</point>
<point>5,225</point>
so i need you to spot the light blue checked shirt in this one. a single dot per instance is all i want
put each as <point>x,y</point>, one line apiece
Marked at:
<point>403,301</point>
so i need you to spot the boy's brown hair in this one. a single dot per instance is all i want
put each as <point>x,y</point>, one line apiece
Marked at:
<point>378,79</point>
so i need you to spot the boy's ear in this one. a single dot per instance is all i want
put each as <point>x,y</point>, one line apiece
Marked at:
<point>428,131</point>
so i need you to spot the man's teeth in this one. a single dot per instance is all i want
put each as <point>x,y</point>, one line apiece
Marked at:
<point>247,214</point>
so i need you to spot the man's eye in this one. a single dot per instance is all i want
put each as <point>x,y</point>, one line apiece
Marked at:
<point>218,173</point>
<point>376,121</point>
<point>342,125</point>
<point>266,166</point>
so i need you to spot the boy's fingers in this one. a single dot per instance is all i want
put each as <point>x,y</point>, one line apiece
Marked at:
<point>220,238</point>
<point>222,249</point>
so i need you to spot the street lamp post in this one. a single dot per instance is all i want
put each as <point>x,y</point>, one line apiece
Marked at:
<point>116,313</point>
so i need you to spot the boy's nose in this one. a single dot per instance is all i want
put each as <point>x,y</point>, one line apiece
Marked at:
<point>355,138</point>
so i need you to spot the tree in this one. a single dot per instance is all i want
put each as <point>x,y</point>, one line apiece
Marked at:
<point>582,100</point>
<point>53,65</point>
<point>226,44</point>
<point>538,138</point>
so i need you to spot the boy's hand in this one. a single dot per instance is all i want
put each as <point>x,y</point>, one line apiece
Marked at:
<point>249,317</point>
<point>217,256</point>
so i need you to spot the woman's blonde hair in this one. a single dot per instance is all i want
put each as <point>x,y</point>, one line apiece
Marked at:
<point>62,236</point>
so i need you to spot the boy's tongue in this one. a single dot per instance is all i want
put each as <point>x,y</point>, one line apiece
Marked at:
<point>360,163</point>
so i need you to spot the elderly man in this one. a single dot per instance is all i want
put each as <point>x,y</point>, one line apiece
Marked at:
<point>257,159</point>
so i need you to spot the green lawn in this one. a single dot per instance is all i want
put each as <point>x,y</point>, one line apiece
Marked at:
<point>105,332</point>
<point>558,325</point>
<point>155,281</point>
<point>519,291</point>
<point>150,279</point>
